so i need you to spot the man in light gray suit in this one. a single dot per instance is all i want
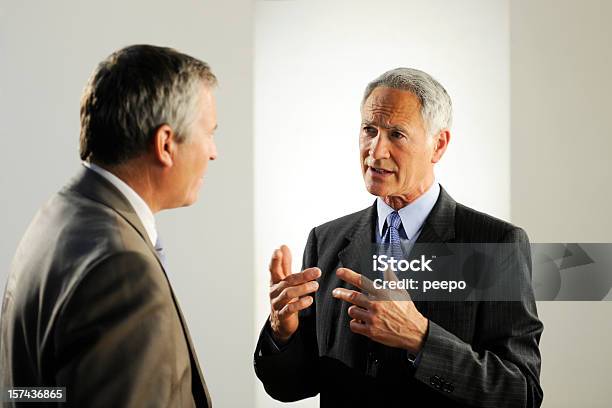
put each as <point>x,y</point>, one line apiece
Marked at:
<point>88,305</point>
<point>330,334</point>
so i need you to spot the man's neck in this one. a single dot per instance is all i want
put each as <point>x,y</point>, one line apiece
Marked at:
<point>138,180</point>
<point>399,201</point>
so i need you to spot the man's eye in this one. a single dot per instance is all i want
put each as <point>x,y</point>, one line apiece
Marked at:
<point>370,131</point>
<point>397,135</point>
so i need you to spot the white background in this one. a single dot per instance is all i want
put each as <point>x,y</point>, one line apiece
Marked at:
<point>530,85</point>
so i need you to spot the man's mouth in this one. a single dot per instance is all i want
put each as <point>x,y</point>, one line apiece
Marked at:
<point>380,170</point>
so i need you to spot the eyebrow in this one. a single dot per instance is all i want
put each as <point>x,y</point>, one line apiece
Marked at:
<point>396,127</point>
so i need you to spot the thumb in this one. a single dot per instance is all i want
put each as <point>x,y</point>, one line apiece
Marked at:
<point>276,269</point>
<point>285,260</point>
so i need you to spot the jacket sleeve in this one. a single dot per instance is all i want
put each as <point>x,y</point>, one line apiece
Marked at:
<point>289,373</point>
<point>501,368</point>
<point>113,343</point>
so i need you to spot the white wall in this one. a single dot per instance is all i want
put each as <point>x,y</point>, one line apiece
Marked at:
<point>561,143</point>
<point>48,50</point>
<point>312,62</point>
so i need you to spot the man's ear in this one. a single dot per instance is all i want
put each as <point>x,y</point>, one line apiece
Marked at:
<point>441,141</point>
<point>164,145</point>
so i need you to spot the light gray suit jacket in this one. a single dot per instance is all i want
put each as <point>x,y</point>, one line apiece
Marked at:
<point>88,307</point>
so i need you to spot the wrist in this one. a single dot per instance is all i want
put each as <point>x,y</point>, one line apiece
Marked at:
<point>280,340</point>
<point>276,335</point>
<point>424,328</point>
<point>416,340</point>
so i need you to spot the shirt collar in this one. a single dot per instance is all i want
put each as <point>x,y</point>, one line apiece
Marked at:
<point>140,206</point>
<point>413,215</point>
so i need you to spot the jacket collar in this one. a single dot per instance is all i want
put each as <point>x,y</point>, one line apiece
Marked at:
<point>439,227</point>
<point>95,187</point>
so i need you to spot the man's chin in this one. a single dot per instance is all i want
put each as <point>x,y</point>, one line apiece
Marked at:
<point>190,200</point>
<point>377,190</point>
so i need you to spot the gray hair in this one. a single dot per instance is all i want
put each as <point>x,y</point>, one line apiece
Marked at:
<point>436,106</point>
<point>132,93</point>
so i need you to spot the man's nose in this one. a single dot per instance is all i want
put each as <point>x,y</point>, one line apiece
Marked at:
<point>378,147</point>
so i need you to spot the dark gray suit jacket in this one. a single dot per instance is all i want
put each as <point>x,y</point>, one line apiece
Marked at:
<point>480,354</point>
<point>88,307</point>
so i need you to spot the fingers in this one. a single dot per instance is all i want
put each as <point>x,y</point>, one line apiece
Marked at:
<point>353,297</point>
<point>357,280</point>
<point>359,327</point>
<point>286,260</point>
<point>276,271</point>
<point>350,277</point>
<point>293,292</point>
<point>295,279</point>
<point>359,314</point>
<point>302,277</point>
<point>294,307</point>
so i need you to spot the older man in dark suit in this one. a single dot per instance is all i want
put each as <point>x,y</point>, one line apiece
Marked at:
<point>330,333</point>
<point>88,305</point>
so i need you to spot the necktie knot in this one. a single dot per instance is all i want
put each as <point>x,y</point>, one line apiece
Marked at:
<point>394,220</point>
<point>392,237</point>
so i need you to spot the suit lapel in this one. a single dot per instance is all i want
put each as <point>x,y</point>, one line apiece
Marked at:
<point>199,387</point>
<point>438,229</point>
<point>360,242</point>
<point>439,225</point>
<point>90,184</point>
<point>332,317</point>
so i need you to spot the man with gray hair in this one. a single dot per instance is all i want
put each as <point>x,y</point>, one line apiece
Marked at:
<point>88,308</point>
<point>364,348</point>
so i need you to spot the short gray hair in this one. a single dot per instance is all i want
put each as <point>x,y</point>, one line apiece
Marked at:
<point>436,105</point>
<point>132,93</point>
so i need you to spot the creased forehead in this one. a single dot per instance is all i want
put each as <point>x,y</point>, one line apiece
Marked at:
<point>388,106</point>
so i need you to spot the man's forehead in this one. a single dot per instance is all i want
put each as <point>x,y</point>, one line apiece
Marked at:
<point>383,97</point>
<point>387,121</point>
<point>387,103</point>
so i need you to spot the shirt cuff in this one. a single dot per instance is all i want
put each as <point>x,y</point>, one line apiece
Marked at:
<point>414,359</point>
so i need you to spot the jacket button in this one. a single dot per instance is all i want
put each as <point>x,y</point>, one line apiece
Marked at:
<point>435,381</point>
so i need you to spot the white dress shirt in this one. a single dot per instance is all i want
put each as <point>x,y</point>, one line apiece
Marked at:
<point>413,215</point>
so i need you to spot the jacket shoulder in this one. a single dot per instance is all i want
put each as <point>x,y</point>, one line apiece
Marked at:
<point>473,225</point>
<point>343,225</point>
<point>68,237</point>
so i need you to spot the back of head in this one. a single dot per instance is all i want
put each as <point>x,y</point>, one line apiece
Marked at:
<point>131,94</point>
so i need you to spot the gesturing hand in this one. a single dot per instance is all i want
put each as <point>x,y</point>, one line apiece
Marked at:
<point>288,293</point>
<point>386,316</point>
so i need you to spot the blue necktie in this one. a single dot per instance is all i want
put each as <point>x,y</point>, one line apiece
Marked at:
<point>159,248</point>
<point>392,237</point>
